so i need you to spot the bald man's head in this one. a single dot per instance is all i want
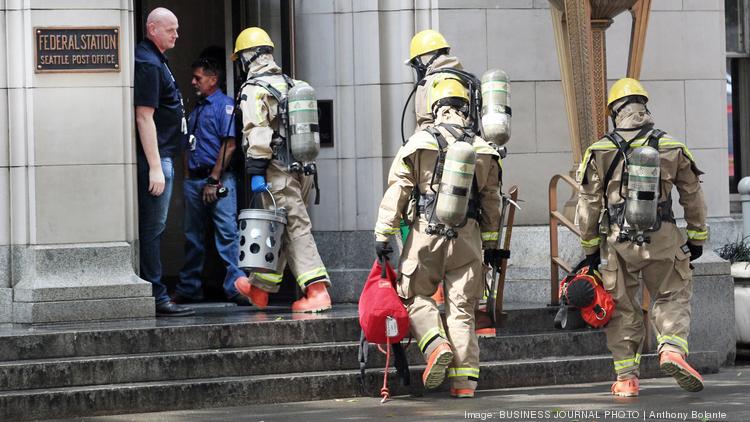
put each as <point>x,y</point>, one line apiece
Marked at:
<point>161,28</point>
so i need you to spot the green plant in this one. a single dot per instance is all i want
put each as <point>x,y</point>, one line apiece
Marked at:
<point>738,251</point>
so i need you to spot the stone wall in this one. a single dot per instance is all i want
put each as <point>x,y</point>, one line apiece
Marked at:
<point>353,53</point>
<point>67,177</point>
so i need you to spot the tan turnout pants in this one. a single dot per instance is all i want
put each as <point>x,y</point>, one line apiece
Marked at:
<point>426,261</point>
<point>290,190</point>
<point>666,273</point>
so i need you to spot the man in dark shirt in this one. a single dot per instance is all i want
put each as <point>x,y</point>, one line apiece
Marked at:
<point>161,124</point>
<point>210,191</point>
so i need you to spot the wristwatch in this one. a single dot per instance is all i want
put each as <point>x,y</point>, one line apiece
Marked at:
<point>211,181</point>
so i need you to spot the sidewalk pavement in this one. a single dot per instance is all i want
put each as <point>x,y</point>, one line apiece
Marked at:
<point>725,398</point>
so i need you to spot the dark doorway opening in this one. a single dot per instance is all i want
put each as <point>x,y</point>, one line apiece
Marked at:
<point>210,27</point>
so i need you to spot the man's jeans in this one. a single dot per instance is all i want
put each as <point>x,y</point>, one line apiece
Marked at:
<point>152,219</point>
<point>223,213</point>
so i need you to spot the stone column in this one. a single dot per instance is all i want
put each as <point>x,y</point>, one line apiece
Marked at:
<point>599,53</point>
<point>67,182</point>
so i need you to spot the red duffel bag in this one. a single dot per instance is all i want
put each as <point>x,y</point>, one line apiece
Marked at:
<point>380,309</point>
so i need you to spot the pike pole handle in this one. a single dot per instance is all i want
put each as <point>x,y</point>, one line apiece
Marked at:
<point>513,192</point>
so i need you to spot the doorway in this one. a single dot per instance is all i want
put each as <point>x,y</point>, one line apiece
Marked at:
<point>210,28</point>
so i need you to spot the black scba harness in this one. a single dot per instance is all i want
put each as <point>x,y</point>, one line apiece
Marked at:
<point>426,201</point>
<point>616,213</point>
<point>279,143</point>
<point>472,84</point>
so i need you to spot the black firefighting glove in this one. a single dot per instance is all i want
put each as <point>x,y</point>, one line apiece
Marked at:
<point>695,251</point>
<point>594,260</point>
<point>492,257</point>
<point>383,250</point>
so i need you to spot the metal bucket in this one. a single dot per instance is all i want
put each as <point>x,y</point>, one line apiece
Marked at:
<point>260,239</point>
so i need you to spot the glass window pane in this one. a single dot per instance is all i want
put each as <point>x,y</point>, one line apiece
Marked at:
<point>734,26</point>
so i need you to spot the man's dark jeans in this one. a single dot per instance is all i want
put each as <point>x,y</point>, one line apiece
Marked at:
<point>152,220</point>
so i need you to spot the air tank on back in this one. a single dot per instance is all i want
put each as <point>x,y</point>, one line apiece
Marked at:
<point>455,184</point>
<point>643,188</point>
<point>496,110</point>
<point>304,132</point>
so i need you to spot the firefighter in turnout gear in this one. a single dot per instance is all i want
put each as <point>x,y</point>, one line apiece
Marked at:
<point>628,228</point>
<point>429,53</point>
<point>272,167</point>
<point>446,183</point>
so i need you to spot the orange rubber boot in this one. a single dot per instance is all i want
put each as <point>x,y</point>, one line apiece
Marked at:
<point>316,299</point>
<point>258,297</point>
<point>674,365</point>
<point>437,363</point>
<point>439,296</point>
<point>483,324</point>
<point>462,393</point>
<point>626,388</point>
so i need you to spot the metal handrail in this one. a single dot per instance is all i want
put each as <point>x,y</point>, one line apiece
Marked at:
<point>555,218</point>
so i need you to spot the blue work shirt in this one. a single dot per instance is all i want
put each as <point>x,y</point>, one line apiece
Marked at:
<point>211,122</point>
<point>154,86</point>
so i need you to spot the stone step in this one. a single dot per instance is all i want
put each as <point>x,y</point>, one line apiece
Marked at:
<point>98,370</point>
<point>246,390</point>
<point>257,329</point>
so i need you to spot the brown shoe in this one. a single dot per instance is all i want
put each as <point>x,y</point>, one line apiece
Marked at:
<point>437,363</point>
<point>626,388</point>
<point>674,365</point>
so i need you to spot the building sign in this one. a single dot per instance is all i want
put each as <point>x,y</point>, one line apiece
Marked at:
<point>77,49</point>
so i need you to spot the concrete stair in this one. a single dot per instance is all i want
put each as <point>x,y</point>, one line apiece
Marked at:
<point>240,357</point>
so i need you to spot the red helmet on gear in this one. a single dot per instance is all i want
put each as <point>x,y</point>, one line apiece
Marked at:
<point>586,292</point>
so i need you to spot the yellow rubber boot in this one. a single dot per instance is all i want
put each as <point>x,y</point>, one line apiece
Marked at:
<point>316,299</point>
